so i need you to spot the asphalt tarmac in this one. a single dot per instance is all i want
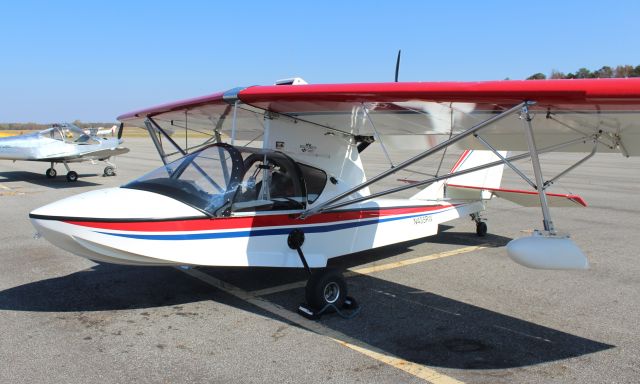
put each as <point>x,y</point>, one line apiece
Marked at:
<point>444,309</point>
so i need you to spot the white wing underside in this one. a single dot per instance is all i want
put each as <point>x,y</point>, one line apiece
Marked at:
<point>421,125</point>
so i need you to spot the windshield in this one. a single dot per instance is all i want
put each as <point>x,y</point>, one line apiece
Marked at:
<point>77,135</point>
<point>205,179</point>
<point>221,179</point>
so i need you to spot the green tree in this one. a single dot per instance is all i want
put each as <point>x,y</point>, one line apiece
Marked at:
<point>604,72</point>
<point>623,71</point>
<point>584,73</point>
<point>537,76</point>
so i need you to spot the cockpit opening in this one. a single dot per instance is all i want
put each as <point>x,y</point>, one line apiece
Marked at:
<point>68,133</point>
<point>222,179</point>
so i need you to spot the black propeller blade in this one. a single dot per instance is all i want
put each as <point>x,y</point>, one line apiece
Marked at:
<point>398,64</point>
<point>120,130</point>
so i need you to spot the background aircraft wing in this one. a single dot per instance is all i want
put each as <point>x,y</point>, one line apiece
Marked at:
<point>94,155</point>
<point>419,115</point>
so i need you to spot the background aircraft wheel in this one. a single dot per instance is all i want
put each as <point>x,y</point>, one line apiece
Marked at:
<point>109,171</point>
<point>72,176</point>
<point>481,228</point>
<point>51,173</point>
<point>326,286</point>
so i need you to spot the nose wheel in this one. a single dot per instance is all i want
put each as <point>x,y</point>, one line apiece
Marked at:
<point>51,173</point>
<point>109,171</point>
<point>72,176</point>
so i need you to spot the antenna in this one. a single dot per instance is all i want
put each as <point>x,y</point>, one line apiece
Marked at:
<point>398,64</point>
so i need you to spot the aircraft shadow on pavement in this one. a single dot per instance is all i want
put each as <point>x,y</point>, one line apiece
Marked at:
<point>106,287</point>
<point>60,182</point>
<point>433,330</point>
<point>415,325</point>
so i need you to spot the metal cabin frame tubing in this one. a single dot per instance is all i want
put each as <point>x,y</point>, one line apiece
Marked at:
<point>152,124</point>
<point>416,158</point>
<point>377,135</point>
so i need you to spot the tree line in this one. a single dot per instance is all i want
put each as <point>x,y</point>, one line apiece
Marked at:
<point>39,127</point>
<point>584,73</point>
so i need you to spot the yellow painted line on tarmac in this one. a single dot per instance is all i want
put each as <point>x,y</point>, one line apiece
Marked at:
<point>374,268</point>
<point>417,370</point>
<point>415,260</point>
<point>279,288</point>
<point>414,369</point>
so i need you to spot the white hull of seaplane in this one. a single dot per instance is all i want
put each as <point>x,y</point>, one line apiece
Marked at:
<point>130,235</point>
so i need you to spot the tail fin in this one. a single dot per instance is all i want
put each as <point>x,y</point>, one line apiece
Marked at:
<point>486,178</point>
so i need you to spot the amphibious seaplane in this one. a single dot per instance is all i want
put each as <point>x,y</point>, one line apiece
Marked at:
<point>62,143</point>
<point>274,175</point>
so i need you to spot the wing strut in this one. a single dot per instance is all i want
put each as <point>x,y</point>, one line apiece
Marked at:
<point>413,160</point>
<point>340,201</point>
<point>508,163</point>
<point>537,170</point>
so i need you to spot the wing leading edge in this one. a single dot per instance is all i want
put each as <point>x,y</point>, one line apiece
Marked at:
<point>420,114</point>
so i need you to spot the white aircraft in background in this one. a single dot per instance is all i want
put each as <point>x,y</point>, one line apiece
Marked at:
<point>101,131</point>
<point>302,197</point>
<point>62,143</point>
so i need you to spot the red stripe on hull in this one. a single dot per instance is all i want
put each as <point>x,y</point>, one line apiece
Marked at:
<point>251,222</point>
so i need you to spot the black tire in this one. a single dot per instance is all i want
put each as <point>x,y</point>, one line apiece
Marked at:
<point>109,171</point>
<point>326,286</point>
<point>481,229</point>
<point>51,173</point>
<point>72,176</point>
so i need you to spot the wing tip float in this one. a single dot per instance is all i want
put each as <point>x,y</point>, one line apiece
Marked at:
<point>544,251</point>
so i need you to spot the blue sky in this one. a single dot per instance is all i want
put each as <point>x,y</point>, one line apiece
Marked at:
<point>93,60</point>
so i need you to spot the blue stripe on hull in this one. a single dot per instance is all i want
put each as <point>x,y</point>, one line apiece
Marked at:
<point>264,232</point>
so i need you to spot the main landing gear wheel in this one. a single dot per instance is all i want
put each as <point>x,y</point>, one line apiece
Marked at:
<point>109,171</point>
<point>51,173</point>
<point>481,228</point>
<point>72,176</point>
<point>326,287</point>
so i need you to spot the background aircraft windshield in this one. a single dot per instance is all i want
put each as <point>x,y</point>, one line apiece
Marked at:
<point>53,133</point>
<point>77,135</point>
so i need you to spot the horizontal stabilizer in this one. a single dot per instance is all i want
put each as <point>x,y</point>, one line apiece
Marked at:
<point>523,198</point>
